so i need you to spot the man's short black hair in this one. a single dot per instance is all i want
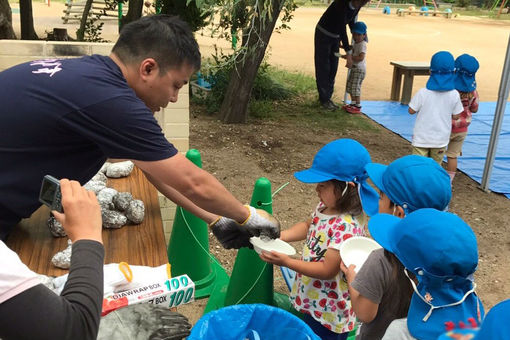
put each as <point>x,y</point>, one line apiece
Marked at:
<point>166,39</point>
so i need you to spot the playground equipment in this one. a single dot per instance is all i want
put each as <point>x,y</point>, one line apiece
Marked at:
<point>424,11</point>
<point>104,9</point>
<point>496,3</point>
<point>428,7</point>
<point>74,10</point>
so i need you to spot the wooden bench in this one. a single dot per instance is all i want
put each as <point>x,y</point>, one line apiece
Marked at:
<point>142,244</point>
<point>403,12</point>
<point>407,69</point>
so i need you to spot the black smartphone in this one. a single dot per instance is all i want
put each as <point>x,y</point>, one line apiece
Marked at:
<point>50,193</point>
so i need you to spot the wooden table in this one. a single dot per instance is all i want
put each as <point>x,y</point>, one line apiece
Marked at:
<point>408,69</point>
<point>142,244</point>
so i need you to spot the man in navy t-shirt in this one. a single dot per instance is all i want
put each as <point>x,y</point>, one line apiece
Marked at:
<point>65,117</point>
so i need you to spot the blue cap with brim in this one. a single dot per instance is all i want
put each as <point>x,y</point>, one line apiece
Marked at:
<point>343,160</point>
<point>440,249</point>
<point>412,182</point>
<point>465,69</point>
<point>359,27</point>
<point>442,72</point>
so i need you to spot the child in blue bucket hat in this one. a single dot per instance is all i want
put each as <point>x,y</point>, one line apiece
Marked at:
<point>440,254</point>
<point>380,291</point>
<point>465,83</point>
<point>436,105</point>
<point>319,290</point>
<point>359,67</point>
<point>495,326</point>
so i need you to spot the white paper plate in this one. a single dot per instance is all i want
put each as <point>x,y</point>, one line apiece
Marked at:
<point>277,245</point>
<point>355,250</point>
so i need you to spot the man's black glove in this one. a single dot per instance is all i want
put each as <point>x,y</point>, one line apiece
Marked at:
<point>232,234</point>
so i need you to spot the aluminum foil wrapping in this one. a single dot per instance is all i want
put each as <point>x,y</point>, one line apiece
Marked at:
<point>105,198</point>
<point>95,186</point>
<point>104,167</point>
<point>120,169</point>
<point>136,211</point>
<point>55,227</point>
<point>100,177</point>
<point>113,219</point>
<point>122,200</point>
<point>47,281</point>
<point>62,259</point>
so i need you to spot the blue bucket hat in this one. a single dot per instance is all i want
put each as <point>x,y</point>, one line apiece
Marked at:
<point>442,75</point>
<point>494,327</point>
<point>343,160</point>
<point>359,27</point>
<point>465,69</point>
<point>440,249</point>
<point>412,182</point>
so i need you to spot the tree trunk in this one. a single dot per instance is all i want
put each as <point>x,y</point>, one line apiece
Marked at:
<point>134,12</point>
<point>234,108</point>
<point>80,33</point>
<point>6,30</point>
<point>27,20</point>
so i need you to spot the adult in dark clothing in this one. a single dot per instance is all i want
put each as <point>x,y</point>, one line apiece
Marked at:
<point>65,117</point>
<point>329,33</point>
<point>29,310</point>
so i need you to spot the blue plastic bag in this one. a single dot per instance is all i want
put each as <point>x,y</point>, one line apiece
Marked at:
<point>253,322</point>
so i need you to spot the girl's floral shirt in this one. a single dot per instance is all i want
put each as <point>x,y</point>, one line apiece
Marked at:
<point>327,301</point>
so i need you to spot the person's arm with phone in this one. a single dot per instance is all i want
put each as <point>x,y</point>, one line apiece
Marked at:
<point>37,312</point>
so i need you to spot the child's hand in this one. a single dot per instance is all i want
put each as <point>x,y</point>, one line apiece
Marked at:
<point>275,258</point>
<point>349,273</point>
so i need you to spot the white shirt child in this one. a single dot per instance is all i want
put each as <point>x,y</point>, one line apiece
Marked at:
<point>434,111</point>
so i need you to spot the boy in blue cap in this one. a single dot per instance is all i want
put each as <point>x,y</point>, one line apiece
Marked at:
<point>440,254</point>
<point>436,105</point>
<point>380,292</point>
<point>358,70</point>
<point>338,169</point>
<point>465,83</point>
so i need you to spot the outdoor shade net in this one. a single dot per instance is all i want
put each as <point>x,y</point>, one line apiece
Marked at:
<point>394,116</point>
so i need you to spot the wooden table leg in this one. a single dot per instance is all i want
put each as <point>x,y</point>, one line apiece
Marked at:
<point>408,87</point>
<point>395,83</point>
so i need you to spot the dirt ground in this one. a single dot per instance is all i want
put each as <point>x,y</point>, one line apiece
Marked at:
<point>239,154</point>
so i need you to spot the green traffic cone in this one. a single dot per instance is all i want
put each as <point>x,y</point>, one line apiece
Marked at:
<point>188,249</point>
<point>252,279</point>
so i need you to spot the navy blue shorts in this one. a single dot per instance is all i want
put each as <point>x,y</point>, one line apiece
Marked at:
<point>323,332</point>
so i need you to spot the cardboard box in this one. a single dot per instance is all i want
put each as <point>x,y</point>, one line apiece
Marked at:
<point>169,293</point>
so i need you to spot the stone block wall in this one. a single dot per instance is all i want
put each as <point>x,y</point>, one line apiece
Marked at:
<point>174,120</point>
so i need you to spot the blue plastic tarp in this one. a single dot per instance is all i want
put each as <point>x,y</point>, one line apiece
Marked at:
<point>254,322</point>
<point>395,117</point>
